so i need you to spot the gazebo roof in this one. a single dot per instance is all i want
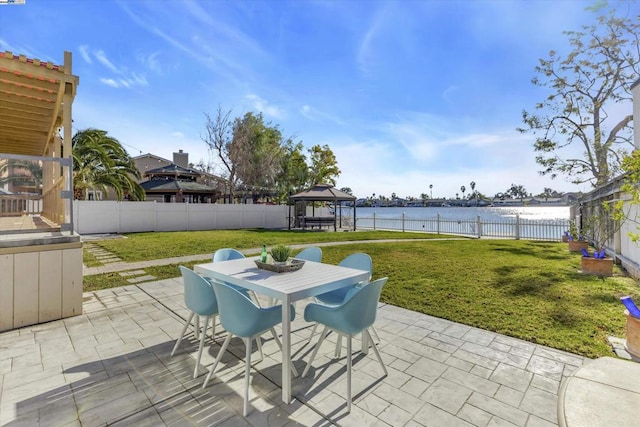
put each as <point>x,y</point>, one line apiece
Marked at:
<point>322,193</point>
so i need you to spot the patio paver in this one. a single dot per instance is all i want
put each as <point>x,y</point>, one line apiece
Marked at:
<point>112,365</point>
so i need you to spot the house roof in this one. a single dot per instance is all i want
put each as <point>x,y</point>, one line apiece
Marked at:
<point>32,97</point>
<point>322,193</point>
<point>153,156</point>
<point>162,186</point>
<point>172,169</point>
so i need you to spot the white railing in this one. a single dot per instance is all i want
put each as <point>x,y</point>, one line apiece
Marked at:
<point>516,228</point>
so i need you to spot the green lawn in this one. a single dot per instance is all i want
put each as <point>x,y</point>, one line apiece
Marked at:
<point>144,246</point>
<point>524,289</point>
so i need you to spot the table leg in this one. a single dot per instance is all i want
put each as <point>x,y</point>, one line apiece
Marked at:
<point>286,350</point>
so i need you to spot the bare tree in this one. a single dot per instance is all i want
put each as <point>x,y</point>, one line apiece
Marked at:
<point>577,116</point>
<point>219,138</point>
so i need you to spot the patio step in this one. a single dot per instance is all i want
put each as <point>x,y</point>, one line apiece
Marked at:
<point>603,392</point>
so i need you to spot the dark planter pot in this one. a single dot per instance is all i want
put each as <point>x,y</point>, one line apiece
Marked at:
<point>565,239</point>
<point>597,267</point>
<point>578,245</point>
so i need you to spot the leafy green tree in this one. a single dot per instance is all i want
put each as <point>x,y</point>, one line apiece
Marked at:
<point>100,162</point>
<point>260,146</point>
<point>323,168</point>
<point>294,172</point>
<point>517,191</point>
<point>347,190</point>
<point>249,151</point>
<point>585,87</point>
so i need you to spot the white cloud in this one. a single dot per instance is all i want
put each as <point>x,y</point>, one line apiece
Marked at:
<point>317,115</point>
<point>265,107</point>
<point>125,78</point>
<point>151,61</point>
<point>102,58</point>
<point>84,52</point>
<point>110,82</point>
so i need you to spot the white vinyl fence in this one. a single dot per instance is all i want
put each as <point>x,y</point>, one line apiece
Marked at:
<point>107,216</point>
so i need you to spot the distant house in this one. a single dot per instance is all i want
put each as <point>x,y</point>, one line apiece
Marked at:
<point>175,182</point>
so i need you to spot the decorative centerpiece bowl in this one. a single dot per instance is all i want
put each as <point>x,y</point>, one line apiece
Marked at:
<point>293,265</point>
<point>280,255</point>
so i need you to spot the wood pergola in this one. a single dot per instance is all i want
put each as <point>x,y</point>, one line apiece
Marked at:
<point>35,102</point>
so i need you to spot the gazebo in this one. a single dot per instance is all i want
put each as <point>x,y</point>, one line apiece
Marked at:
<point>323,193</point>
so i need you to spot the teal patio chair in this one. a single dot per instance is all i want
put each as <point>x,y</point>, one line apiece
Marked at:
<point>200,298</point>
<point>360,261</point>
<point>228,254</point>
<point>355,315</point>
<point>243,318</point>
<point>312,253</point>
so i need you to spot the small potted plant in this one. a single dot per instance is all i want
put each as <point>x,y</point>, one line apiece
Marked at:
<point>575,239</point>
<point>280,254</point>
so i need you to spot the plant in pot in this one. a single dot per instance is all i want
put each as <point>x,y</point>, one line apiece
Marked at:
<point>576,240</point>
<point>601,228</point>
<point>280,254</point>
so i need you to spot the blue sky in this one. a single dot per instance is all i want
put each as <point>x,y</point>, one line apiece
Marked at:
<point>406,93</point>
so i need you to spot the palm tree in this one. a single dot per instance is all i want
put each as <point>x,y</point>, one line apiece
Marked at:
<point>473,188</point>
<point>463,189</point>
<point>431,191</point>
<point>101,162</point>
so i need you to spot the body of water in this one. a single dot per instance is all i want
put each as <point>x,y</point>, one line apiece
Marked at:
<point>519,222</point>
<point>468,213</point>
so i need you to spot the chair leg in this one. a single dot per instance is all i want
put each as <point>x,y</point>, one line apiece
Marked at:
<point>215,364</point>
<point>375,333</point>
<point>275,336</point>
<point>313,332</point>
<point>213,327</point>
<point>349,374</point>
<point>338,351</point>
<point>247,374</point>
<point>196,327</point>
<point>184,329</point>
<point>259,341</point>
<point>323,335</point>
<point>202,337</point>
<point>256,299</point>
<point>375,350</point>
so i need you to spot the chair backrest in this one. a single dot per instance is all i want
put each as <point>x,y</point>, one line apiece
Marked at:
<point>358,261</point>
<point>358,312</point>
<point>227,254</point>
<point>198,293</point>
<point>310,254</point>
<point>238,314</point>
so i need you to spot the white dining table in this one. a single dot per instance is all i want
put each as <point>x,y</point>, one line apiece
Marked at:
<point>312,279</point>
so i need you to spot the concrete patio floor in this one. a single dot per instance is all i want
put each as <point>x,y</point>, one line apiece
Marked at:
<point>112,366</point>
